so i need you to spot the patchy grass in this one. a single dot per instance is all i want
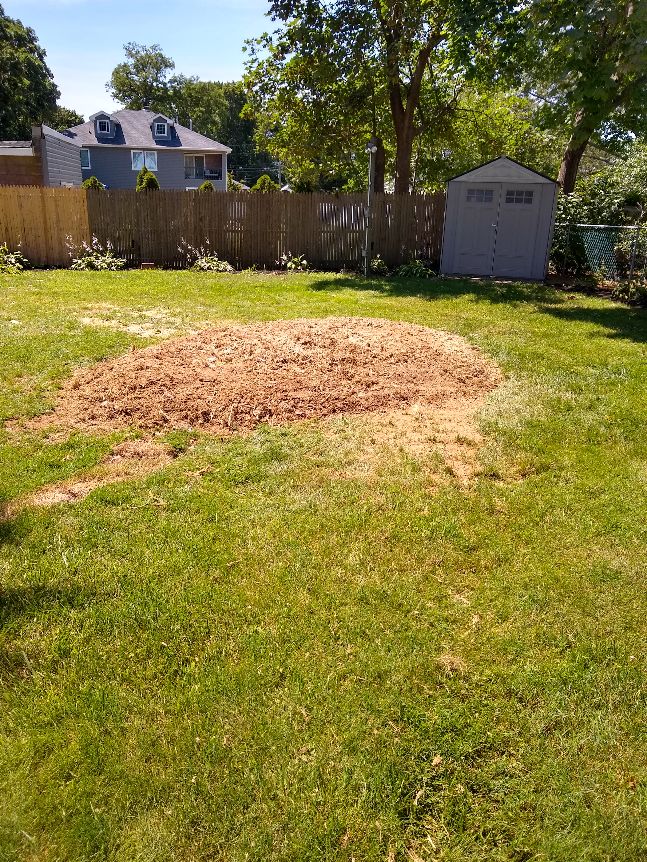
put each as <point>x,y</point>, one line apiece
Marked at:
<point>252,655</point>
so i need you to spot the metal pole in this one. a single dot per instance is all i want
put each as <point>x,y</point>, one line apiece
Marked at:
<point>371,150</point>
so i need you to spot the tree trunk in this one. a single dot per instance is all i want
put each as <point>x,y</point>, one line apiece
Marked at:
<point>380,160</point>
<point>571,163</point>
<point>583,128</point>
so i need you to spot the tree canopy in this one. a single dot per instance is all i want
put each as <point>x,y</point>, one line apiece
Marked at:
<point>586,64</point>
<point>28,93</point>
<point>346,70</point>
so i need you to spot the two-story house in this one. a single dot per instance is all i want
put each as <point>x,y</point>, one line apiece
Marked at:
<point>114,148</point>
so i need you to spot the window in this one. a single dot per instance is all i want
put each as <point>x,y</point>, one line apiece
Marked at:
<point>144,157</point>
<point>160,130</point>
<point>85,158</point>
<point>518,196</point>
<point>194,167</point>
<point>103,127</point>
<point>479,196</point>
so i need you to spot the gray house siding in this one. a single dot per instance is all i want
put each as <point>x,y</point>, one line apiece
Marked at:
<point>61,160</point>
<point>113,166</point>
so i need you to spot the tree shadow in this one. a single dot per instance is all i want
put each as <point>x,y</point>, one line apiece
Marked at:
<point>28,601</point>
<point>620,321</point>
<point>481,290</point>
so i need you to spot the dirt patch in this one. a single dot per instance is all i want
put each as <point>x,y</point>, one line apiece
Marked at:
<point>448,430</point>
<point>146,323</point>
<point>234,377</point>
<point>132,459</point>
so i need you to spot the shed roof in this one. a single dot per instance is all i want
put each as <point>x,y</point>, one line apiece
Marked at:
<point>502,170</point>
<point>133,129</point>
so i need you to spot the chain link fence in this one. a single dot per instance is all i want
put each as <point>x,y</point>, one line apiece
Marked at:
<point>605,252</point>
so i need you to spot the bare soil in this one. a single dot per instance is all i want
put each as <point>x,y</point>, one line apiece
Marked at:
<point>234,377</point>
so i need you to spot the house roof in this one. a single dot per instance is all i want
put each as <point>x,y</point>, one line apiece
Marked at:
<point>133,129</point>
<point>18,145</point>
<point>503,169</point>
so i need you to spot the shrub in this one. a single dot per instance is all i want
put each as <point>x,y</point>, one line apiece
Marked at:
<point>11,262</point>
<point>232,183</point>
<point>207,186</point>
<point>292,262</point>
<point>93,256</point>
<point>416,268</point>
<point>202,259</point>
<point>378,266</point>
<point>265,185</point>
<point>146,181</point>
<point>92,183</point>
<point>634,292</point>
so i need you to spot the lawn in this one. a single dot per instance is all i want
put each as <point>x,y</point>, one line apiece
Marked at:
<point>250,655</point>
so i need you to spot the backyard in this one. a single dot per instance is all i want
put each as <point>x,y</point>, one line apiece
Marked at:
<point>307,641</point>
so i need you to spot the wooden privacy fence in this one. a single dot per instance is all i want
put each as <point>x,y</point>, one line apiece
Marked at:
<point>244,228</point>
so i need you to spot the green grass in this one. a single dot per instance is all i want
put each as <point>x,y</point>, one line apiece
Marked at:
<point>237,657</point>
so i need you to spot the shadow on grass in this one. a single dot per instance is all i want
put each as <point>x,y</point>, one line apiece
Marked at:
<point>622,322</point>
<point>443,288</point>
<point>28,601</point>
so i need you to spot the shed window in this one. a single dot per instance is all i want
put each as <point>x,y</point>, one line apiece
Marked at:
<point>103,127</point>
<point>144,157</point>
<point>160,130</point>
<point>518,196</point>
<point>85,158</point>
<point>479,196</point>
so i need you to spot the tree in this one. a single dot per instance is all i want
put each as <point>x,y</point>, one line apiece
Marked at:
<point>63,118</point>
<point>142,80</point>
<point>206,186</point>
<point>265,185</point>
<point>360,66</point>
<point>146,181</point>
<point>486,122</point>
<point>27,89</point>
<point>93,183</point>
<point>588,66</point>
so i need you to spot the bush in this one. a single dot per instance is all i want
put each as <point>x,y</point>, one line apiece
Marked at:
<point>634,292</point>
<point>207,186</point>
<point>378,266</point>
<point>11,262</point>
<point>292,262</point>
<point>416,268</point>
<point>92,183</point>
<point>146,181</point>
<point>93,256</point>
<point>232,183</point>
<point>265,185</point>
<point>202,259</point>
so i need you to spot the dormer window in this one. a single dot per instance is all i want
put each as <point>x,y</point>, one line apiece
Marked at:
<point>161,130</point>
<point>103,127</point>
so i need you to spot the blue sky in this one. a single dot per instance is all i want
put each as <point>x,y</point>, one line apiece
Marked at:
<point>84,39</point>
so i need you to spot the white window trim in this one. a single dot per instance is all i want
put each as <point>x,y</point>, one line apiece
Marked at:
<point>144,154</point>
<point>163,134</point>
<point>101,131</point>
<point>89,164</point>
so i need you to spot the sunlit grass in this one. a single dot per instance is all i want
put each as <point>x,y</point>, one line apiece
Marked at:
<point>253,656</point>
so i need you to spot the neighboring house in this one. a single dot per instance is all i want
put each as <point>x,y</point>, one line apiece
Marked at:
<point>49,159</point>
<point>114,147</point>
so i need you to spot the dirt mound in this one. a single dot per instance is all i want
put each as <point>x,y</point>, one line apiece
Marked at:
<point>234,377</point>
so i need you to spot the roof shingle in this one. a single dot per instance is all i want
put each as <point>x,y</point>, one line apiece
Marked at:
<point>134,130</point>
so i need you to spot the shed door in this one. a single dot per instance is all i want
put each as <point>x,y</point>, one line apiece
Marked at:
<point>476,231</point>
<point>516,234</point>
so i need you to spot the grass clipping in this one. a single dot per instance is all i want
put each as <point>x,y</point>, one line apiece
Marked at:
<point>235,377</point>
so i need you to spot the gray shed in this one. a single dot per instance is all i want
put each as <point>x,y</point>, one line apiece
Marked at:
<point>498,222</point>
